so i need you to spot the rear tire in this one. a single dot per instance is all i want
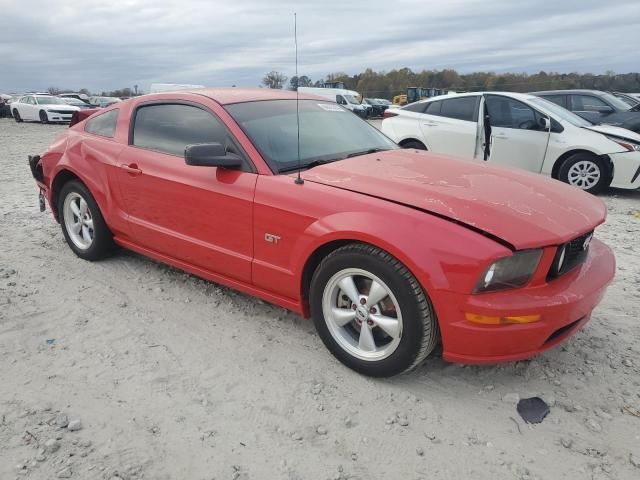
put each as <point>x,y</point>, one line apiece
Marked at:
<point>401,326</point>
<point>415,144</point>
<point>82,223</point>
<point>44,118</point>
<point>16,116</point>
<point>585,171</point>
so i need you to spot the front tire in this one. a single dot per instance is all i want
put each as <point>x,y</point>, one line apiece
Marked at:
<point>585,171</point>
<point>415,144</point>
<point>371,312</point>
<point>16,116</point>
<point>82,223</point>
<point>44,118</point>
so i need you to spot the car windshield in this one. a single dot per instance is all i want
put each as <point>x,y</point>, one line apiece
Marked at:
<point>351,99</point>
<point>560,112</point>
<point>328,132</point>
<point>49,101</point>
<point>617,103</point>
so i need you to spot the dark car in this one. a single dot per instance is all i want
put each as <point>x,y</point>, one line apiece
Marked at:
<point>377,107</point>
<point>628,99</point>
<point>596,106</point>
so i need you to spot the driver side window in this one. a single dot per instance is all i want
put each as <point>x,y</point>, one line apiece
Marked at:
<point>509,113</point>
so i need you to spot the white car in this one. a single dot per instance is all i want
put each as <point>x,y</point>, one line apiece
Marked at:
<point>523,131</point>
<point>43,108</point>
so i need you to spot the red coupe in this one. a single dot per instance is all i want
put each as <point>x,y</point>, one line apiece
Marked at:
<point>388,250</point>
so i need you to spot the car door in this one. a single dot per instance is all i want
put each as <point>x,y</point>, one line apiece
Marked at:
<point>451,126</point>
<point>198,215</point>
<point>28,108</point>
<point>518,137</point>
<point>589,107</point>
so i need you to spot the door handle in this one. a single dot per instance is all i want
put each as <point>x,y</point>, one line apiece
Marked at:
<point>132,169</point>
<point>430,124</point>
<point>504,137</point>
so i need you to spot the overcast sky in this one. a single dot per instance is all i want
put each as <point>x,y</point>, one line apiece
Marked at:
<point>103,45</point>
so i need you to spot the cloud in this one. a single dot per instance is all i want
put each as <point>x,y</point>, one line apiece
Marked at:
<point>105,45</point>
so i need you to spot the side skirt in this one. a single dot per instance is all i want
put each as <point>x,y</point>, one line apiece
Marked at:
<point>265,295</point>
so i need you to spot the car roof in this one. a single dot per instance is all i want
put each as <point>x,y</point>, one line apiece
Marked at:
<point>516,95</point>
<point>226,96</point>
<point>561,92</point>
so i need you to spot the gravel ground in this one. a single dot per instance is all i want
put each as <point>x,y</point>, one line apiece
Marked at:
<point>129,369</point>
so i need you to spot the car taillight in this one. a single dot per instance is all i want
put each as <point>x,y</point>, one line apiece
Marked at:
<point>388,114</point>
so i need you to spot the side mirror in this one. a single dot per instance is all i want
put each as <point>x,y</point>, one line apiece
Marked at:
<point>211,155</point>
<point>544,123</point>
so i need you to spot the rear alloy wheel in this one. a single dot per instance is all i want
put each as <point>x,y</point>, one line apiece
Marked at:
<point>16,116</point>
<point>414,144</point>
<point>585,171</point>
<point>44,118</point>
<point>82,223</point>
<point>371,312</point>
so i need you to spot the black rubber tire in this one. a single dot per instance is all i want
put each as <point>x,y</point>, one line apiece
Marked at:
<point>44,118</point>
<point>16,116</point>
<point>102,244</point>
<point>605,173</point>
<point>415,144</point>
<point>420,333</point>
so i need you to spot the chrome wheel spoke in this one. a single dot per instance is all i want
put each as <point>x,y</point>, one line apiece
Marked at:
<point>83,207</point>
<point>86,235</point>
<point>89,223</point>
<point>390,325</point>
<point>76,227</point>
<point>366,341</point>
<point>75,208</point>
<point>377,293</point>
<point>343,316</point>
<point>348,287</point>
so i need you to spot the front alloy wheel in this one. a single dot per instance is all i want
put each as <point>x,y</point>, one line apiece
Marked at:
<point>371,312</point>
<point>585,171</point>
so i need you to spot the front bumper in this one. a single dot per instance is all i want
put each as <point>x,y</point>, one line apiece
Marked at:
<point>565,305</point>
<point>59,117</point>
<point>626,170</point>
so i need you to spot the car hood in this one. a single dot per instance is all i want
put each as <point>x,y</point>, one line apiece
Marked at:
<point>615,131</point>
<point>522,209</point>
<point>69,108</point>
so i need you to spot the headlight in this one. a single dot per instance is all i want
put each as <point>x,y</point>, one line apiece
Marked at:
<point>626,144</point>
<point>509,272</point>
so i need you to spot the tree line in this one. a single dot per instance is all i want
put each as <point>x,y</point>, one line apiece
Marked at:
<point>385,84</point>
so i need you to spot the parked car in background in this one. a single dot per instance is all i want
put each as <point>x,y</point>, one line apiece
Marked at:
<point>628,98</point>
<point>349,99</point>
<point>377,107</point>
<point>76,103</point>
<point>43,108</point>
<point>596,106</point>
<point>5,100</point>
<point>78,96</point>
<point>522,131</point>
<point>388,250</point>
<point>103,102</point>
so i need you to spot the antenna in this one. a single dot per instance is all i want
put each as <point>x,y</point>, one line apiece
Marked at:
<point>299,180</point>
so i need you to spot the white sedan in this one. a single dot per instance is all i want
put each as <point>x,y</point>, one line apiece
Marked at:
<point>522,131</point>
<point>43,108</point>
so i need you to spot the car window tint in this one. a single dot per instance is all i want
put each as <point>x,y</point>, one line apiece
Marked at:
<point>557,99</point>
<point>459,108</point>
<point>510,113</point>
<point>169,128</point>
<point>586,103</point>
<point>415,107</point>
<point>103,124</point>
<point>433,108</point>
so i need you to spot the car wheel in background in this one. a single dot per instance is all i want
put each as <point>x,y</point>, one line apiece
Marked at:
<point>585,171</point>
<point>44,118</point>
<point>16,115</point>
<point>371,312</point>
<point>82,223</point>
<point>414,144</point>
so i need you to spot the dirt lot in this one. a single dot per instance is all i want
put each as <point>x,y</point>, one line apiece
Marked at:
<point>172,377</point>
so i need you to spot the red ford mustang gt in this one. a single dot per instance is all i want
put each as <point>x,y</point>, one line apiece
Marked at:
<point>388,250</point>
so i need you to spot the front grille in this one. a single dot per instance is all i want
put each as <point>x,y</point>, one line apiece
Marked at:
<point>575,251</point>
<point>61,112</point>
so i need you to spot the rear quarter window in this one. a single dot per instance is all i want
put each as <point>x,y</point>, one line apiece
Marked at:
<point>415,107</point>
<point>103,125</point>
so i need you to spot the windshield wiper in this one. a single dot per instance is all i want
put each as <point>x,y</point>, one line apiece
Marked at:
<point>365,152</point>
<point>307,166</point>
